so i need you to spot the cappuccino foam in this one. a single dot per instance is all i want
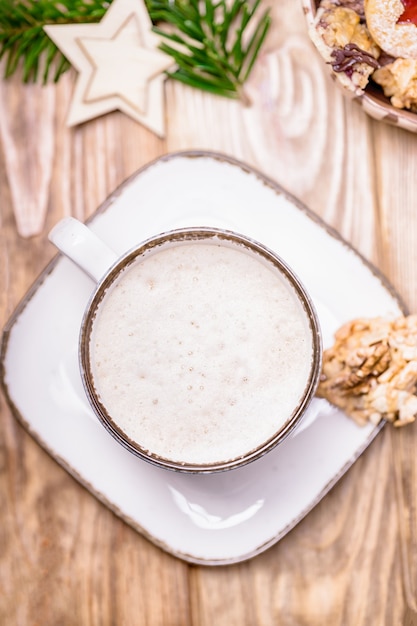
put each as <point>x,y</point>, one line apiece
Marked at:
<point>200,352</point>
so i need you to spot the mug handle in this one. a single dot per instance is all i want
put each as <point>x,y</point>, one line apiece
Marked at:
<point>318,407</point>
<point>76,241</point>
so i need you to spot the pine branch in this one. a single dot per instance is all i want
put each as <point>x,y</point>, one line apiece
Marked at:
<point>23,40</point>
<point>213,42</point>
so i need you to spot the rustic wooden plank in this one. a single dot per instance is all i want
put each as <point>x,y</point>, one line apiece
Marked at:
<point>64,557</point>
<point>395,191</point>
<point>27,135</point>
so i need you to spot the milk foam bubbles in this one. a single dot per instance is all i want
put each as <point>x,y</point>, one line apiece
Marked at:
<point>200,352</point>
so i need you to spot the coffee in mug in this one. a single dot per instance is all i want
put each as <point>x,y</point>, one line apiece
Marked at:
<point>200,350</point>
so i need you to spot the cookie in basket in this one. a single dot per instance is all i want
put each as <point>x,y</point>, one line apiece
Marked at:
<point>343,40</point>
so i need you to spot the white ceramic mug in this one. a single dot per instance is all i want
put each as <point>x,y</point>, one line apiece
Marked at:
<point>200,349</point>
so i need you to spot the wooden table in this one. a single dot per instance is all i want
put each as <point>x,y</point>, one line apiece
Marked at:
<point>65,559</point>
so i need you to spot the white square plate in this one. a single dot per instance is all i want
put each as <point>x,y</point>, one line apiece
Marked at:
<point>213,519</point>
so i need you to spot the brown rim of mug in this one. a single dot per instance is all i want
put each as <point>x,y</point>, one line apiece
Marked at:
<point>176,237</point>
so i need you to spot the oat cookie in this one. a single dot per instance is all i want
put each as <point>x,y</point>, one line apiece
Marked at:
<point>399,82</point>
<point>371,370</point>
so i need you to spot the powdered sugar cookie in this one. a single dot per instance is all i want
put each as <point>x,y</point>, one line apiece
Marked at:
<point>384,21</point>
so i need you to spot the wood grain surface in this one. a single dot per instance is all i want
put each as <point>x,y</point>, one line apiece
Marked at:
<point>65,559</point>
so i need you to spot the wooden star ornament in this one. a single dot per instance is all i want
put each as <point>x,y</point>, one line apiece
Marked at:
<point>119,65</point>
